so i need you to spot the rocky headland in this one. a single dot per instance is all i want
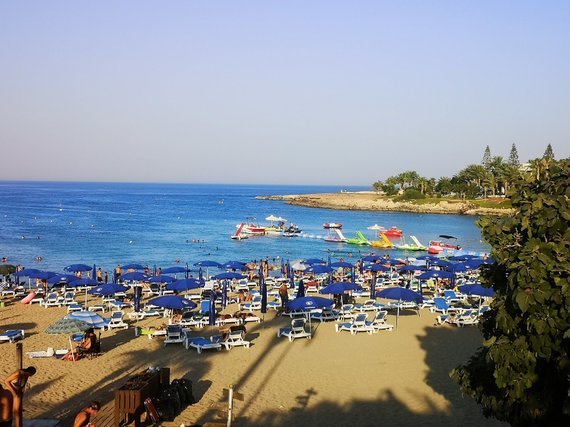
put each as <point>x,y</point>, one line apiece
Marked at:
<point>371,201</point>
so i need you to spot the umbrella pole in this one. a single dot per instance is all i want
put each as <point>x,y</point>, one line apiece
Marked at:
<point>71,349</point>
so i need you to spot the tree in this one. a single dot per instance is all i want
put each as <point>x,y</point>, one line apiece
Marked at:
<point>548,153</point>
<point>514,156</point>
<point>522,373</point>
<point>486,157</point>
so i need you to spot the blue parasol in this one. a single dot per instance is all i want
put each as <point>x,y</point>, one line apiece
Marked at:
<point>182,285</point>
<point>228,275</point>
<point>74,268</point>
<point>431,274</point>
<point>212,312</point>
<point>301,289</point>
<point>400,294</point>
<point>133,267</point>
<point>160,279</point>
<point>175,269</point>
<point>263,291</point>
<point>93,319</point>
<point>107,289</point>
<point>174,302</point>
<point>135,276</point>
<point>340,287</point>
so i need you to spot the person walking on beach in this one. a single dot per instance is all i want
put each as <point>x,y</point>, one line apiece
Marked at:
<point>118,271</point>
<point>83,418</point>
<point>16,383</point>
<point>6,406</point>
<point>284,295</point>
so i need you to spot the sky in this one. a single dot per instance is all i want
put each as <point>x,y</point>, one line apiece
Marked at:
<point>278,92</point>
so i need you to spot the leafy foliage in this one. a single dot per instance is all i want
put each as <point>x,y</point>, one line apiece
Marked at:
<point>522,373</point>
<point>411,194</point>
<point>486,157</point>
<point>514,156</point>
<point>548,153</point>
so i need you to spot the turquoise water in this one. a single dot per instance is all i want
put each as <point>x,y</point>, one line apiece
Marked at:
<point>156,224</point>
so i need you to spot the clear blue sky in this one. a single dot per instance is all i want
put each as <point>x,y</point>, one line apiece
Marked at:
<point>292,92</point>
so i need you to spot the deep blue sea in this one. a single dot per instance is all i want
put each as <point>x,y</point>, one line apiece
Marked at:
<point>156,224</point>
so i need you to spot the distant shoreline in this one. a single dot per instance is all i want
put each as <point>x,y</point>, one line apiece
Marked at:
<point>372,201</point>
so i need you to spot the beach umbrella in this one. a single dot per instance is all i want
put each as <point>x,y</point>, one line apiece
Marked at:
<point>309,303</point>
<point>340,288</point>
<point>74,268</point>
<point>263,291</point>
<point>228,275</point>
<point>224,294</point>
<point>6,269</point>
<point>412,268</point>
<point>477,289</point>
<point>159,279</point>
<point>93,319</point>
<point>212,312</point>
<point>301,289</point>
<point>207,264</point>
<point>182,285</point>
<point>173,270</point>
<point>134,276</point>
<point>435,274</point>
<point>133,266</point>
<point>299,266</point>
<point>373,286</point>
<point>375,227</point>
<point>319,269</point>
<point>44,275</point>
<point>376,268</point>
<point>342,264</point>
<point>371,258</point>
<point>400,294</point>
<point>312,261</point>
<point>61,279</point>
<point>67,327</point>
<point>107,289</point>
<point>26,272</point>
<point>392,262</point>
<point>174,302</point>
<point>201,276</point>
<point>86,281</point>
<point>235,265</point>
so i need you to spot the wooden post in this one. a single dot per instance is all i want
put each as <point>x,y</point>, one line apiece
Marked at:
<point>19,355</point>
<point>230,405</point>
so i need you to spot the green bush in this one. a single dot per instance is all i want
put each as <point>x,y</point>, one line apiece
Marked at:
<point>410,194</point>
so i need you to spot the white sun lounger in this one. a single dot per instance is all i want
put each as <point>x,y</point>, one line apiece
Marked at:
<point>201,343</point>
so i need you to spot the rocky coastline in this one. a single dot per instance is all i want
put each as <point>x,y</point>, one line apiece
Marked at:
<point>371,201</point>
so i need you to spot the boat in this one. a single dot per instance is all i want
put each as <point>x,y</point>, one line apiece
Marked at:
<point>335,236</point>
<point>439,246</point>
<point>359,240</point>
<point>293,229</point>
<point>328,225</point>
<point>392,232</point>
<point>384,242</point>
<point>240,234</point>
<point>250,228</point>
<point>277,225</point>
<point>415,246</point>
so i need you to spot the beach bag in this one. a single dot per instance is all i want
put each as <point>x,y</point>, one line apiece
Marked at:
<point>151,410</point>
<point>186,386</point>
<point>167,408</point>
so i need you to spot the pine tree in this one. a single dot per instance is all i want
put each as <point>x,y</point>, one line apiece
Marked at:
<point>486,157</point>
<point>548,154</point>
<point>514,156</point>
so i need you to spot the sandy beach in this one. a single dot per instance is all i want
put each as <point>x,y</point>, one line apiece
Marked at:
<point>334,379</point>
<point>372,201</point>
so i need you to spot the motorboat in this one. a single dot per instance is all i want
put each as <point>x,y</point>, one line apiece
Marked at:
<point>293,228</point>
<point>392,232</point>
<point>328,225</point>
<point>439,246</point>
<point>277,224</point>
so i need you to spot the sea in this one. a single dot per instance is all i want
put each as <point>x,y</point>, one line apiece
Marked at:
<point>49,225</point>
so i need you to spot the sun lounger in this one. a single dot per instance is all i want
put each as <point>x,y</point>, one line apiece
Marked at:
<point>379,322</point>
<point>296,330</point>
<point>201,343</point>
<point>12,335</point>
<point>325,315</point>
<point>174,335</point>
<point>358,324</point>
<point>235,337</point>
<point>44,353</point>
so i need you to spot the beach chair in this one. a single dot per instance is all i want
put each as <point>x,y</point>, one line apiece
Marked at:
<point>368,305</point>
<point>116,321</point>
<point>467,317</point>
<point>357,324</point>
<point>440,305</point>
<point>379,322</point>
<point>235,337</point>
<point>42,353</point>
<point>297,330</point>
<point>346,312</point>
<point>68,298</point>
<point>174,334</point>
<point>255,304</point>
<point>12,335</point>
<point>325,315</point>
<point>52,300</point>
<point>74,307</point>
<point>201,343</point>
<point>451,297</point>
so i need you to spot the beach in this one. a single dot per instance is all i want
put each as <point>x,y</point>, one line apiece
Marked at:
<point>372,201</point>
<point>334,379</point>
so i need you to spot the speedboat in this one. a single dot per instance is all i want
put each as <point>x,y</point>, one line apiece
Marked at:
<point>439,246</point>
<point>392,232</point>
<point>328,225</point>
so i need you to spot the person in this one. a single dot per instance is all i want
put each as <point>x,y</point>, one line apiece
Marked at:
<point>106,277</point>
<point>88,343</point>
<point>16,383</point>
<point>99,275</point>
<point>118,271</point>
<point>283,294</point>
<point>6,405</point>
<point>83,418</point>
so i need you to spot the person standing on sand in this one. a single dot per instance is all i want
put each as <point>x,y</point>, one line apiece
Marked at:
<point>16,383</point>
<point>6,406</point>
<point>99,275</point>
<point>83,419</point>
